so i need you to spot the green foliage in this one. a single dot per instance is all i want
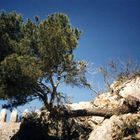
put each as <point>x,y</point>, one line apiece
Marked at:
<point>10,32</point>
<point>35,57</point>
<point>18,76</point>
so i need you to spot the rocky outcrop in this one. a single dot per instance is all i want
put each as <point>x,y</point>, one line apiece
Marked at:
<point>109,100</point>
<point>130,87</point>
<point>116,128</point>
<point>110,116</point>
<point>119,127</point>
<point>80,105</point>
<point>123,94</point>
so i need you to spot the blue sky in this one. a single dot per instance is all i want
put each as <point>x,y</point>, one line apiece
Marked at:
<point>110,29</point>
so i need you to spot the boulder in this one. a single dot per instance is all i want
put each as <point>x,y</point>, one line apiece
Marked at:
<point>130,87</point>
<point>80,105</point>
<point>108,100</point>
<point>115,128</point>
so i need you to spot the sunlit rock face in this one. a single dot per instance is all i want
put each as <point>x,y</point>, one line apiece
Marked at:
<point>103,128</point>
<point>80,105</point>
<point>116,127</point>
<point>120,92</point>
<point>94,121</point>
<point>130,87</point>
<point>108,100</point>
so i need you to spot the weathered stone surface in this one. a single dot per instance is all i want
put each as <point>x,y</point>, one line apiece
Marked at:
<point>130,87</point>
<point>94,121</point>
<point>80,105</point>
<point>97,119</point>
<point>3,115</point>
<point>25,113</point>
<point>109,100</point>
<point>14,116</point>
<point>8,129</point>
<point>113,128</point>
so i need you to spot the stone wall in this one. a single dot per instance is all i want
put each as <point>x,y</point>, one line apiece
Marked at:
<point>8,129</point>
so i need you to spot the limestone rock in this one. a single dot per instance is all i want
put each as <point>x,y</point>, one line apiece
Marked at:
<point>130,87</point>
<point>97,119</point>
<point>114,128</point>
<point>94,121</point>
<point>38,112</point>
<point>80,105</point>
<point>25,113</point>
<point>108,100</point>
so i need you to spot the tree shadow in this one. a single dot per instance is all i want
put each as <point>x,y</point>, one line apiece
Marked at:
<point>32,131</point>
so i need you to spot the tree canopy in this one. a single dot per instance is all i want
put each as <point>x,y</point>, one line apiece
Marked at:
<point>36,56</point>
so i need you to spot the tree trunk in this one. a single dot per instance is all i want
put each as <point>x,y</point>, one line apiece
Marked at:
<point>132,105</point>
<point>105,112</point>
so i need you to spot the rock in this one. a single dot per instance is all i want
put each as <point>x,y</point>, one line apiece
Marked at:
<point>130,87</point>
<point>108,100</point>
<point>25,113</point>
<point>94,121</point>
<point>80,105</point>
<point>97,119</point>
<point>38,112</point>
<point>114,128</point>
